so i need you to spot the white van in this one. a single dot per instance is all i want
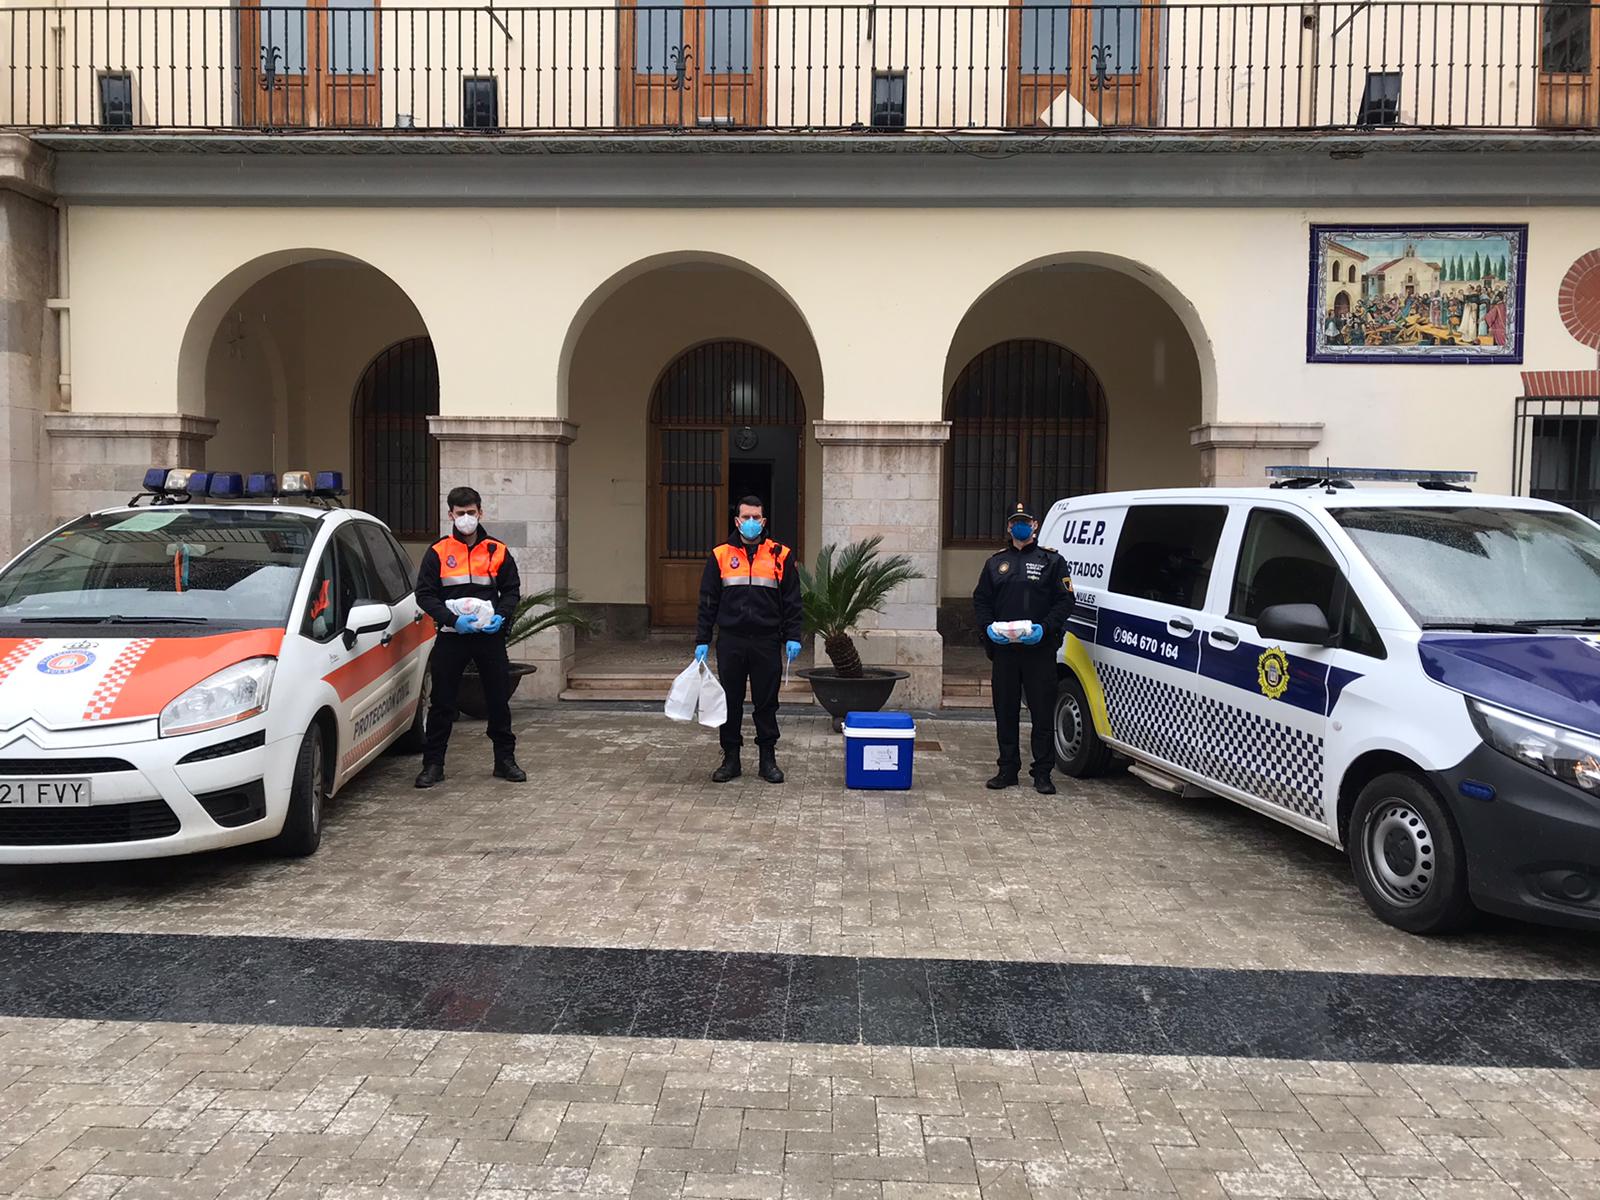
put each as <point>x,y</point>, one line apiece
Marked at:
<point>1411,673</point>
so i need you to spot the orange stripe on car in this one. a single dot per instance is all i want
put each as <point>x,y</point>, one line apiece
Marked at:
<point>13,651</point>
<point>171,666</point>
<point>378,661</point>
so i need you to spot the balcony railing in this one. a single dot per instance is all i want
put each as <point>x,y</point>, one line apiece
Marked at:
<point>1073,66</point>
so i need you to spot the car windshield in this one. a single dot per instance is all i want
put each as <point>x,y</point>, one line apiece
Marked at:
<point>1472,567</point>
<point>168,566</point>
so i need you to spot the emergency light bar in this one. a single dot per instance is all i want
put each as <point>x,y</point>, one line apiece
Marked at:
<point>1296,477</point>
<point>175,485</point>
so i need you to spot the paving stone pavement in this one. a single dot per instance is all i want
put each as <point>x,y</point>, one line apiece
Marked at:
<point>618,840</point>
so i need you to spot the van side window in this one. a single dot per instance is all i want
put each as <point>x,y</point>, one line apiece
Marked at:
<point>1282,561</point>
<point>1166,551</point>
<point>358,582</point>
<point>393,571</point>
<point>322,609</point>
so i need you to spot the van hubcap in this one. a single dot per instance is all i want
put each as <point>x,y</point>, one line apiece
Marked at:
<point>1401,853</point>
<point>1069,728</point>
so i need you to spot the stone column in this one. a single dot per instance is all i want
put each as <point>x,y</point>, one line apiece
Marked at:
<point>29,346</point>
<point>1237,454</point>
<point>519,466</point>
<point>98,460</point>
<point>883,477</point>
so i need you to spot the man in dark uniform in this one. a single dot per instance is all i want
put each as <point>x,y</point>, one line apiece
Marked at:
<point>469,564</point>
<point>750,592</point>
<point>1024,582</point>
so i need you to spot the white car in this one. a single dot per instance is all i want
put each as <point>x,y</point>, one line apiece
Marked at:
<point>201,670</point>
<point>1411,673</point>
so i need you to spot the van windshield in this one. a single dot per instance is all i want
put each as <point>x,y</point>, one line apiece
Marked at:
<point>1483,568</point>
<point>161,566</point>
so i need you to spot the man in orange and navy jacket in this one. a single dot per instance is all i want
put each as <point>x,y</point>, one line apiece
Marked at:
<point>750,592</point>
<point>469,564</point>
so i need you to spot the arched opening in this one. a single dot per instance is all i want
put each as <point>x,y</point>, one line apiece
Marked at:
<point>666,365</point>
<point>727,420</point>
<point>1027,421</point>
<point>396,458</point>
<point>1341,305</point>
<point>286,351</point>
<point>1352,277</point>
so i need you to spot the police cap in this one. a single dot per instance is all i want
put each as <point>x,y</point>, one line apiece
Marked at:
<point>1021,510</point>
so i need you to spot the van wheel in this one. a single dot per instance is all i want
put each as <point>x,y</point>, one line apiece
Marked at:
<point>308,796</point>
<point>1079,750</point>
<point>410,742</point>
<point>1407,856</point>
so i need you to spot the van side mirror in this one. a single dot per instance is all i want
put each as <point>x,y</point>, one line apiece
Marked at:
<point>1305,624</point>
<point>366,616</point>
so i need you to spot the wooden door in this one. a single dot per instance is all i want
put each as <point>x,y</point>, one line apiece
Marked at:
<point>693,63</point>
<point>691,486</point>
<point>1103,54</point>
<point>310,64</point>
<point>1569,64</point>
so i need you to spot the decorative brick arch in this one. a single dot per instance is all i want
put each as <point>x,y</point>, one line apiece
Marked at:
<point>1580,299</point>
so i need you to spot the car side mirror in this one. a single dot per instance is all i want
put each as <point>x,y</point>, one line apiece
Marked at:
<point>1305,624</point>
<point>366,617</point>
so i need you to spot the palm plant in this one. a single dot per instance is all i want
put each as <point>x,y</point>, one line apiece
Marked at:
<point>551,608</point>
<point>845,586</point>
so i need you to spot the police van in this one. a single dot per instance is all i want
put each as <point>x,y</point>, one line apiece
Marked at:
<point>1410,672</point>
<point>204,667</point>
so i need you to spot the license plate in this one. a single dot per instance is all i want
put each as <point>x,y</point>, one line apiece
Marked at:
<point>43,793</point>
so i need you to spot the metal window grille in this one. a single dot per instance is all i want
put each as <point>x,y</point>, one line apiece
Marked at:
<point>696,404</point>
<point>480,103</point>
<point>1028,422</point>
<point>116,100</point>
<point>1557,451</point>
<point>398,463</point>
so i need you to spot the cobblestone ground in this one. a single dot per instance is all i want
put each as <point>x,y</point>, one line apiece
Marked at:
<point>618,840</point>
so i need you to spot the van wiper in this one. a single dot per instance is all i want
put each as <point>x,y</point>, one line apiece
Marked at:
<point>114,620</point>
<point>1575,623</point>
<point>1483,626</point>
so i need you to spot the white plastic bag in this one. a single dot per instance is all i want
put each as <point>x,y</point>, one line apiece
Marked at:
<point>481,611</point>
<point>713,700</point>
<point>684,698</point>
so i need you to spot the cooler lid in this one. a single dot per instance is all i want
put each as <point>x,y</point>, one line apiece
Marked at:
<point>879,720</point>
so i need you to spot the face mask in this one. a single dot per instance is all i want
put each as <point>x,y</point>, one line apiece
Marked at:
<point>750,528</point>
<point>1022,531</point>
<point>467,525</point>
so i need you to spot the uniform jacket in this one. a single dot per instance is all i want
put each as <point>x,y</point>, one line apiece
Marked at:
<point>750,595</point>
<point>454,570</point>
<point>1030,584</point>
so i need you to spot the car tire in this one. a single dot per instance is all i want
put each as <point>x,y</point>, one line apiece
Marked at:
<point>410,742</point>
<point>1079,750</point>
<point>1407,856</point>
<point>308,797</point>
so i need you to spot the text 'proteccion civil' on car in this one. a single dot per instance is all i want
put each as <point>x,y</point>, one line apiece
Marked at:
<point>1408,671</point>
<point>203,667</point>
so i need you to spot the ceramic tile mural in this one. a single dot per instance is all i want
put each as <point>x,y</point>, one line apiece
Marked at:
<point>1416,293</point>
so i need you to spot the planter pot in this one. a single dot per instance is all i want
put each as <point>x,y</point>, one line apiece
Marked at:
<point>469,700</point>
<point>840,695</point>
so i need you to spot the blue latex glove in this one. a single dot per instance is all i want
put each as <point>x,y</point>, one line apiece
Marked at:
<point>1034,636</point>
<point>792,649</point>
<point>464,624</point>
<point>700,653</point>
<point>494,624</point>
<point>998,638</point>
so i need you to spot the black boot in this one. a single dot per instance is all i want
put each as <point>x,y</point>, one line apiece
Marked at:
<point>430,774</point>
<point>1006,778</point>
<point>506,768</point>
<point>769,767</point>
<point>730,768</point>
<point>1042,785</point>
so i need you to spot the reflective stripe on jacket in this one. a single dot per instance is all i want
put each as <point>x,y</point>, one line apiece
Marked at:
<point>461,565</point>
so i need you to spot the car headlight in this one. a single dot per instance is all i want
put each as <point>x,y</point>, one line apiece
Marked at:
<point>1571,757</point>
<point>232,694</point>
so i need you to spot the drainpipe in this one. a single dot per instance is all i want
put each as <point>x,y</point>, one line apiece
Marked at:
<point>61,305</point>
<point>1310,52</point>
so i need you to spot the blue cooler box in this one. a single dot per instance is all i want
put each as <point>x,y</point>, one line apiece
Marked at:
<point>877,749</point>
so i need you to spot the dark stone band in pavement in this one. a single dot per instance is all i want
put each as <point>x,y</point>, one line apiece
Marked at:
<point>338,983</point>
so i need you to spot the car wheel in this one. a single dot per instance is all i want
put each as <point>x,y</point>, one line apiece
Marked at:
<point>1079,750</point>
<point>410,742</point>
<point>1407,856</point>
<point>308,796</point>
